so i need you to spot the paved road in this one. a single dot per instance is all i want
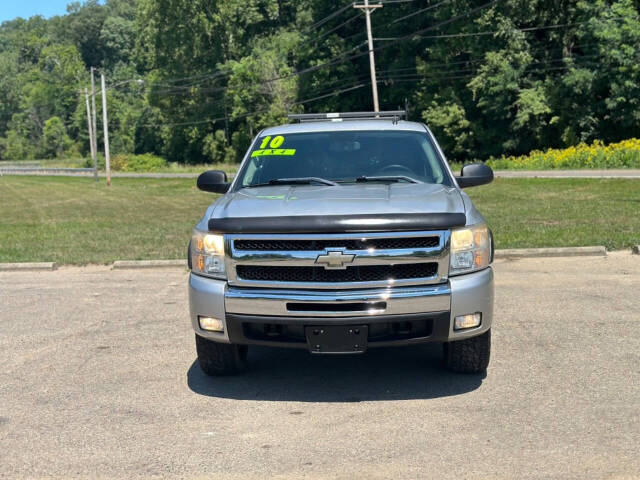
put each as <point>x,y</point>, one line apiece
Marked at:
<point>70,172</point>
<point>98,381</point>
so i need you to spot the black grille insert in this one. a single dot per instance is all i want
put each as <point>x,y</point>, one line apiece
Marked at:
<point>368,273</point>
<point>349,244</point>
<point>336,307</point>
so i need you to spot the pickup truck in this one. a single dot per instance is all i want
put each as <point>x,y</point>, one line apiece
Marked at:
<point>342,232</point>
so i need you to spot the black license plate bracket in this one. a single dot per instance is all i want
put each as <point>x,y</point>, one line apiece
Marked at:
<point>337,338</point>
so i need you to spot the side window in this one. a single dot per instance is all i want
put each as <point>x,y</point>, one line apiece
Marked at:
<point>250,173</point>
<point>432,158</point>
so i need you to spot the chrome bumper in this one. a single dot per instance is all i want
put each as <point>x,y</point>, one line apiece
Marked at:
<point>298,303</point>
<point>461,295</point>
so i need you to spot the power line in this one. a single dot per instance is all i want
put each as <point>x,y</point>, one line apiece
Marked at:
<point>333,91</point>
<point>553,60</point>
<point>222,72</point>
<point>475,34</point>
<point>418,12</point>
<point>212,120</point>
<point>185,91</point>
<point>327,18</point>
<point>382,79</point>
<point>329,32</point>
<point>344,58</point>
<point>418,78</point>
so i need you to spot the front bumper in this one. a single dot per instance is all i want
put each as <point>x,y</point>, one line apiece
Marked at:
<point>395,316</point>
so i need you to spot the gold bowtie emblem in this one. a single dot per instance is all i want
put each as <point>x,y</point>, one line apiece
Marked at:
<point>335,260</point>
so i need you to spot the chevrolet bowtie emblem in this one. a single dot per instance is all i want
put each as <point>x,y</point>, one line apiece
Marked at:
<point>335,260</point>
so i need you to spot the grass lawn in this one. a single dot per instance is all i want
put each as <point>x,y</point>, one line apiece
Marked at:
<point>75,221</point>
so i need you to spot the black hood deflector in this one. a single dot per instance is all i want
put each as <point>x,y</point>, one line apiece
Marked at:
<point>338,223</point>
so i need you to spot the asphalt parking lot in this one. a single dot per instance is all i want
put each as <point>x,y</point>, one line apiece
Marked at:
<point>98,380</point>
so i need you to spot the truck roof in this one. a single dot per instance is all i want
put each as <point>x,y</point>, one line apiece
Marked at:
<point>345,126</point>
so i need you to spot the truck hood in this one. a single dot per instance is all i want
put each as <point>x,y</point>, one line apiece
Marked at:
<point>319,200</point>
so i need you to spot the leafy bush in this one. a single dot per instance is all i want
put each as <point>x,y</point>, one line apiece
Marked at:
<point>625,154</point>
<point>138,163</point>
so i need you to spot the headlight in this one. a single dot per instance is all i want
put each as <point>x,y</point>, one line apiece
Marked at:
<point>470,249</point>
<point>207,255</point>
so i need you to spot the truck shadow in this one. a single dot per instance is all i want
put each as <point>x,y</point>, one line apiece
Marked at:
<point>295,375</point>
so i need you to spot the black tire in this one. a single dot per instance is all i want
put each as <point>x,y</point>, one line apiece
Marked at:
<point>470,355</point>
<point>220,358</point>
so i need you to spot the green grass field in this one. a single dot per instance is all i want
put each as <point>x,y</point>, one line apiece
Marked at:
<point>75,221</point>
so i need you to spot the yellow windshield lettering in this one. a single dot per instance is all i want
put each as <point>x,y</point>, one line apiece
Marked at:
<point>277,141</point>
<point>287,152</point>
<point>265,142</point>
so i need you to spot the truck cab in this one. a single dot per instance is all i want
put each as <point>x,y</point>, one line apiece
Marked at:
<point>339,233</point>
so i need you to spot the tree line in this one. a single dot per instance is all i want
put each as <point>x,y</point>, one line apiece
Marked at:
<point>194,80</point>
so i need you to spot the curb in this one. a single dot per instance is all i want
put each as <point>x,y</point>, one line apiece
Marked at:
<point>636,250</point>
<point>27,266</point>
<point>131,264</point>
<point>599,251</point>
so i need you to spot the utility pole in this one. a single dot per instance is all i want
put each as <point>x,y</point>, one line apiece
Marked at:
<point>372,61</point>
<point>91,137</point>
<point>94,123</point>
<point>105,121</point>
<point>226,122</point>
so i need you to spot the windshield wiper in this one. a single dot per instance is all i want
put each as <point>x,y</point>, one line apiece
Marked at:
<point>296,181</point>
<point>387,178</point>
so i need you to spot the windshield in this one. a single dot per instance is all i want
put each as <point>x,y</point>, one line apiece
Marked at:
<point>344,157</point>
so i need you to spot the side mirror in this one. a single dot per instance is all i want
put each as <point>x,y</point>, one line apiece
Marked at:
<point>474,175</point>
<point>213,181</point>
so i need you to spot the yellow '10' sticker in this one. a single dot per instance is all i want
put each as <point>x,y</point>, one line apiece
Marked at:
<point>273,144</point>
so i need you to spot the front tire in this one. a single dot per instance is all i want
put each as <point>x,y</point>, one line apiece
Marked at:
<point>470,355</point>
<point>218,359</point>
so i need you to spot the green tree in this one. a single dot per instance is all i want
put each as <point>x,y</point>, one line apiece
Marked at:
<point>501,79</point>
<point>17,147</point>
<point>216,148</point>
<point>55,138</point>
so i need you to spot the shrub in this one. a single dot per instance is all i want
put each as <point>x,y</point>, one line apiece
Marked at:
<point>625,154</point>
<point>138,163</point>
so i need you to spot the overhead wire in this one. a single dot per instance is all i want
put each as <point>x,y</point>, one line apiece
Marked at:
<point>328,17</point>
<point>329,32</point>
<point>262,110</point>
<point>345,57</point>
<point>474,34</point>
<point>418,12</point>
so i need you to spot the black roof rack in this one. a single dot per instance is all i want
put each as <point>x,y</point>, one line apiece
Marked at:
<point>394,115</point>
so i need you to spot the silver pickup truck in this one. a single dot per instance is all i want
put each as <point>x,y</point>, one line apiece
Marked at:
<point>342,232</point>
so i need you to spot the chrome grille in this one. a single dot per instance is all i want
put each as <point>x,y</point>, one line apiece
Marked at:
<point>370,273</point>
<point>349,244</point>
<point>370,260</point>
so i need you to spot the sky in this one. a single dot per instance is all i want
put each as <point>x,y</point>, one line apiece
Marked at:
<point>10,9</point>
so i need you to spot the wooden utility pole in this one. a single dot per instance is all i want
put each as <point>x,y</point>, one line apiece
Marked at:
<point>105,121</point>
<point>91,137</point>
<point>93,106</point>
<point>372,61</point>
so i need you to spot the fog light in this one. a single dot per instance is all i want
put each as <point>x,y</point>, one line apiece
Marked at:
<point>211,324</point>
<point>467,321</point>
